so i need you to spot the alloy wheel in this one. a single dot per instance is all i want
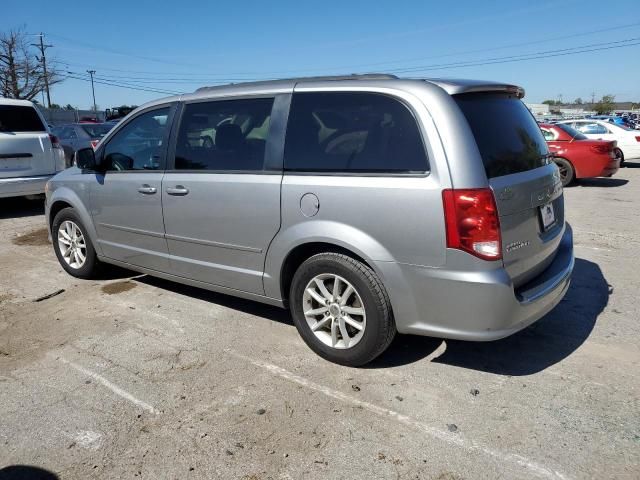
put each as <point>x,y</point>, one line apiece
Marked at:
<point>72,245</point>
<point>334,311</point>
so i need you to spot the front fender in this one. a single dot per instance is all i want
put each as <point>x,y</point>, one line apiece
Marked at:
<point>319,231</point>
<point>67,195</point>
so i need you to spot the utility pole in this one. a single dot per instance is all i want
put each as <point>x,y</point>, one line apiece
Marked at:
<point>593,98</point>
<point>43,60</point>
<point>93,92</point>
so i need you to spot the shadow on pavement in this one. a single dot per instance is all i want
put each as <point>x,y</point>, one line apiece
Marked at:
<point>601,182</point>
<point>26,472</point>
<point>548,341</point>
<point>16,207</point>
<point>247,306</point>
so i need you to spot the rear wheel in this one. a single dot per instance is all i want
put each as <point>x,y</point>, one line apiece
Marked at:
<point>619,155</point>
<point>341,309</point>
<point>72,245</point>
<point>567,172</point>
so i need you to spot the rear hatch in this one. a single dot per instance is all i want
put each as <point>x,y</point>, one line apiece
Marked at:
<point>525,183</point>
<point>25,146</point>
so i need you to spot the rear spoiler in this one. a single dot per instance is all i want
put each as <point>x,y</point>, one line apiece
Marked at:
<point>457,87</point>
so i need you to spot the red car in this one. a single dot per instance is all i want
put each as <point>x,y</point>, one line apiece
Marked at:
<point>577,156</point>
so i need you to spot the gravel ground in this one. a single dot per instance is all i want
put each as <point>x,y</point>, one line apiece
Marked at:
<point>135,377</point>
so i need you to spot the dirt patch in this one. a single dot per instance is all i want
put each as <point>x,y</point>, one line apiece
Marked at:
<point>36,237</point>
<point>5,297</point>
<point>118,287</point>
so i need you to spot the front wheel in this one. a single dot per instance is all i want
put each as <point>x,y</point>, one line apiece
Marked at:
<point>72,245</point>
<point>341,309</point>
<point>567,173</point>
<point>619,155</point>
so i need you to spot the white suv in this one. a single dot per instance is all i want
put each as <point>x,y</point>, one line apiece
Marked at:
<point>29,154</point>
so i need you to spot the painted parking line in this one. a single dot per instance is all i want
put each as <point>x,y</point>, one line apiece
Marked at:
<point>456,439</point>
<point>111,386</point>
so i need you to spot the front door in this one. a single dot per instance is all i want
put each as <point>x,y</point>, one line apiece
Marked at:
<point>221,204</point>
<point>126,200</point>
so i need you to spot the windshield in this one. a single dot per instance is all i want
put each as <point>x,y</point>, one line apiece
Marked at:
<point>506,133</point>
<point>575,134</point>
<point>98,130</point>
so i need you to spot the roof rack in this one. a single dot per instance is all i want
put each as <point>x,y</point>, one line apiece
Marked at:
<point>354,76</point>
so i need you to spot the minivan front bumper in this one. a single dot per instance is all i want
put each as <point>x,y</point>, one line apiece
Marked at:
<point>474,305</point>
<point>18,186</point>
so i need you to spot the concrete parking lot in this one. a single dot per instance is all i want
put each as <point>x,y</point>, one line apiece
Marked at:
<point>134,377</point>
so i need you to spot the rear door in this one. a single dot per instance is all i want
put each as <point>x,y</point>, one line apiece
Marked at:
<point>25,147</point>
<point>221,199</point>
<point>526,184</point>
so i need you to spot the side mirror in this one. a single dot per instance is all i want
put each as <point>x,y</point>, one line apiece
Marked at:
<point>85,158</point>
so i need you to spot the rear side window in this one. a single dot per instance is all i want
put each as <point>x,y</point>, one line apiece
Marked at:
<point>17,118</point>
<point>97,130</point>
<point>507,136</point>
<point>352,132</point>
<point>575,134</point>
<point>229,135</point>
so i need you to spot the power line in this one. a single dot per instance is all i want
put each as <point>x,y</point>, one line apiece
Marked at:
<point>341,68</point>
<point>120,85</point>
<point>527,56</point>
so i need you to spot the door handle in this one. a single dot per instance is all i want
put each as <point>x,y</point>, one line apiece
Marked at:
<point>178,190</point>
<point>147,189</point>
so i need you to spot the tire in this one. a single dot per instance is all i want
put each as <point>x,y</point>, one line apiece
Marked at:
<point>90,267</point>
<point>369,297</point>
<point>618,154</point>
<point>567,172</point>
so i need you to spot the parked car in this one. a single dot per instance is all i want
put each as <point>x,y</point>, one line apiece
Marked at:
<point>628,140</point>
<point>366,204</point>
<point>29,154</point>
<point>578,157</point>
<point>75,136</point>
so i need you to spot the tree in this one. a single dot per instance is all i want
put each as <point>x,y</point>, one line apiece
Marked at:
<point>21,74</point>
<point>605,104</point>
<point>55,106</point>
<point>549,102</point>
<point>578,101</point>
<point>69,107</point>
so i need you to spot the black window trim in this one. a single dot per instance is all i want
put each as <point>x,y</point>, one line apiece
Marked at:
<point>367,173</point>
<point>274,152</point>
<point>167,135</point>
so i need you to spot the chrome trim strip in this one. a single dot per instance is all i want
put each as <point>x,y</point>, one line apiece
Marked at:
<point>132,230</point>
<point>210,243</point>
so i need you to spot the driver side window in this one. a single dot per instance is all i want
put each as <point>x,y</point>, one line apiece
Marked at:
<point>138,146</point>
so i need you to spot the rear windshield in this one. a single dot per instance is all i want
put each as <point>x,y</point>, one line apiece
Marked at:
<point>97,131</point>
<point>572,132</point>
<point>506,133</point>
<point>16,118</point>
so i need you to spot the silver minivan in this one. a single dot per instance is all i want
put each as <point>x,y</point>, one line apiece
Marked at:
<point>366,204</point>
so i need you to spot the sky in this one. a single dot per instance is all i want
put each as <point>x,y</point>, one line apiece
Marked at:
<point>151,49</point>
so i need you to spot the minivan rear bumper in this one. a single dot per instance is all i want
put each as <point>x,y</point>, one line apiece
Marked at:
<point>16,187</point>
<point>474,305</point>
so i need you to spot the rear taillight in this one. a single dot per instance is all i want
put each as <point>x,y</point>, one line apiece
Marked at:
<point>601,148</point>
<point>637,139</point>
<point>55,143</point>
<point>472,223</point>
<point>94,143</point>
